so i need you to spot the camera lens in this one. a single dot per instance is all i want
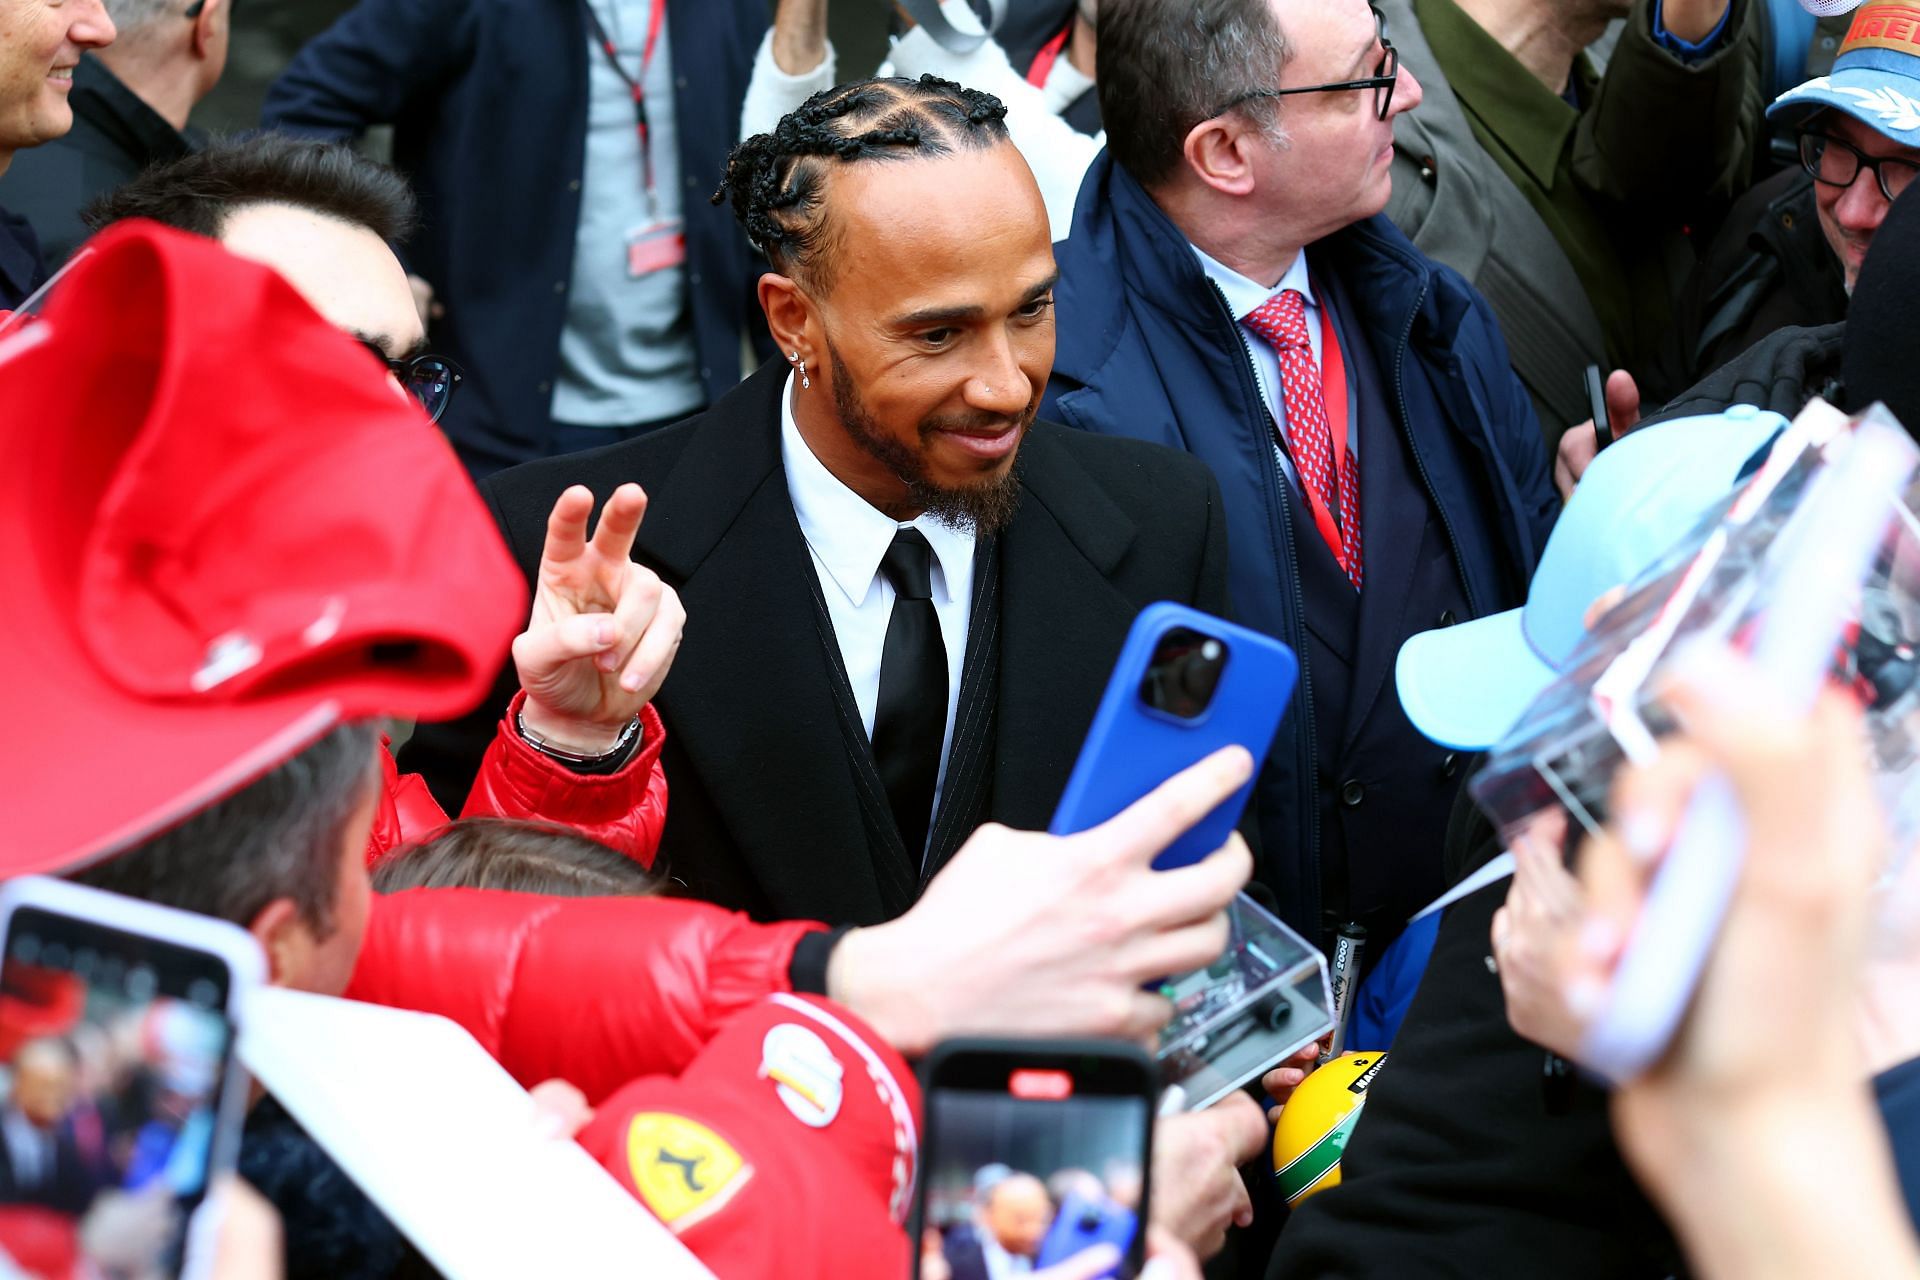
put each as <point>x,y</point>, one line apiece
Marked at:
<point>1184,673</point>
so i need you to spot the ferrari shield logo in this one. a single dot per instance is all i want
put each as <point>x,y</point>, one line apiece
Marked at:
<point>684,1171</point>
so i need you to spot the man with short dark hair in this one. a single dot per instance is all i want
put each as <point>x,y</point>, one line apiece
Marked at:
<point>130,106</point>
<point>910,591</point>
<point>1230,288</point>
<point>41,41</point>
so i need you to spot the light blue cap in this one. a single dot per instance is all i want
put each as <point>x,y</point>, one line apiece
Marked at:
<point>1466,686</point>
<point>1875,78</point>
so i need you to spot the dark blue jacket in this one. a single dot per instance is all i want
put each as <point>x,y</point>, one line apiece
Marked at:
<point>1148,349</point>
<point>488,103</point>
<point>21,271</point>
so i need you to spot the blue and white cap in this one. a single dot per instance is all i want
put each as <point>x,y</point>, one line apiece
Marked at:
<point>1464,687</point>
<point>1875,78</point>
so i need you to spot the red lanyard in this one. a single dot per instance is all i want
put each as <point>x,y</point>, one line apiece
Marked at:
<point>655,24</point>
<point>1049,54</point>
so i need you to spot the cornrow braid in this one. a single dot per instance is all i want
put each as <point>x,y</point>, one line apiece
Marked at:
<point>775,181</point>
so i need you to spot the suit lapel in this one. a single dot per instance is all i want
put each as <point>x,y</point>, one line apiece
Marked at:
<point>751,698</point>
<point>1062,623</point>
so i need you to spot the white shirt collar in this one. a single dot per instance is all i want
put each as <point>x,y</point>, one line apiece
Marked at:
<point>1245,296</point>
<point>849,535</point>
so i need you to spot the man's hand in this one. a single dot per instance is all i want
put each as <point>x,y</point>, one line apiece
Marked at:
<point>1197,1192</point>
<point>1031,934</point>
<point>1284,1079</point>
<point>800,36</point>
<point>603,631</point>
<point>1581,444</point>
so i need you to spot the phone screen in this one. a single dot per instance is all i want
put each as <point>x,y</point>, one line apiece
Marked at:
<point>1030,1163</point>
<point>113,1060</point>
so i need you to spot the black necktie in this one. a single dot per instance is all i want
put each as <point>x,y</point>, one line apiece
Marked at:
<point>910,719</point>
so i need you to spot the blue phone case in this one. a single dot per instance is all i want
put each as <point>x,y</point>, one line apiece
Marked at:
<point>1133,748</point>
<point>1080,1225</point>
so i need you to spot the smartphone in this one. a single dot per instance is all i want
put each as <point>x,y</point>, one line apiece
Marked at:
<point>1035,1151</point>
<point>1185,685</point>
<point>1597,403</point>
<point>122,1096</point>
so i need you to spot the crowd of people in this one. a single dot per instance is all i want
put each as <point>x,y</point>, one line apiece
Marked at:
<point>633,577</point>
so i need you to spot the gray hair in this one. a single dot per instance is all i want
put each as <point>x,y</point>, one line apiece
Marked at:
<point>132,17</point>
<point>279,837</point>
<point>1166,65</point>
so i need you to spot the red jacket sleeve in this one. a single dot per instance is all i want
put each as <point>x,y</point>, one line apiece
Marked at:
<point>786,1148</point>
<point>597,991</point>
<point>625,810</point>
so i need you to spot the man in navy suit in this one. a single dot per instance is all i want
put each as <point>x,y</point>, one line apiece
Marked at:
<point>1230,288</point>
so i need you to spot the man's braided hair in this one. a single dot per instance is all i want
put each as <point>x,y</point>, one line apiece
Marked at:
<point>775,181</point>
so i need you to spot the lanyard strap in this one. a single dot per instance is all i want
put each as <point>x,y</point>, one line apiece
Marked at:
<point>655,23</point>
<point>1049,54</point>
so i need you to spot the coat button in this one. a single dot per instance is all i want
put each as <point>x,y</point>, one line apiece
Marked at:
<point>544,388</point>
<point>574,185</point>
<point>1446,618</point>
<point>559,286</point>
<point>1450,766</point>
<point>1351,794</point>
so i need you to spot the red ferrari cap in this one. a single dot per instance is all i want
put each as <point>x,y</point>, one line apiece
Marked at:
<point>227,532</point>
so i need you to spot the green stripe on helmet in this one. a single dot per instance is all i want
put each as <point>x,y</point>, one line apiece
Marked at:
<point>1314,1163</point>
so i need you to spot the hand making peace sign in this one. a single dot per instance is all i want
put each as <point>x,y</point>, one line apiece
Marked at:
<point>603,630</point>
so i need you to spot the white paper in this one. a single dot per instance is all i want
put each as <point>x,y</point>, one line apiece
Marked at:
<point>445,1142</point>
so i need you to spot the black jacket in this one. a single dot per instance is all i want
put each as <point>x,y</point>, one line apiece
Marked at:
<point>20,268</point>
<point>114,136</point>
<point>1770,268</point>
<point>1464,1163</point>
<point>1780,373</point>
<point>775,806</point>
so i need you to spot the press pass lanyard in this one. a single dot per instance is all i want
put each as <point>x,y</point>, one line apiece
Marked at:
<point>655,23</point>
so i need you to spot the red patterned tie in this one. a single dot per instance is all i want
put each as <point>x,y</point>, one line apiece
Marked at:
<point>1282,322</point>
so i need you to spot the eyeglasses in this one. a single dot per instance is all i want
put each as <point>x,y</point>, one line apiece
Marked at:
<point>1834,163</point>
<point>431,380</point>
<point>1384,77</point>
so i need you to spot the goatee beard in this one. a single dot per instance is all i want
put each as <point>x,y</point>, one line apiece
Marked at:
<point>985,508</point>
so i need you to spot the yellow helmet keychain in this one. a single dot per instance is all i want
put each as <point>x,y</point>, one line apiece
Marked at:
<point>1316,1121</point>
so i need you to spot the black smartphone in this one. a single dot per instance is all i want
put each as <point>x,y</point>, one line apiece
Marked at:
<point>122,1096</point>
<point>1035,1152</point>
<point>1597,403</point>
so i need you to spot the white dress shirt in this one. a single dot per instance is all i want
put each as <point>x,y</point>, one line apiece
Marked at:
<point>1244,297</point>
<point>848,537</point>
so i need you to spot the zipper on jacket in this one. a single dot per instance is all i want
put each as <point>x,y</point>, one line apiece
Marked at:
<point>1304,700</point>
<point>1420,463</point>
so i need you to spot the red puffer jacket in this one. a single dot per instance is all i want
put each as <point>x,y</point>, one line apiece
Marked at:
<point>625,810</point>
<point>597,991</point>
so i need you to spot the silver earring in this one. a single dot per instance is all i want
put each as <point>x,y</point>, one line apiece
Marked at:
<point>806,383</point>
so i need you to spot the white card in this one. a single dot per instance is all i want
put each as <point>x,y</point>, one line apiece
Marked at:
<point>445,1142</point>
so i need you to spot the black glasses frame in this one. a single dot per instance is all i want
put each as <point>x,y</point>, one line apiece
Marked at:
<point>415,372</point>
<point>1813,145</point>
<point>1381,81</point>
